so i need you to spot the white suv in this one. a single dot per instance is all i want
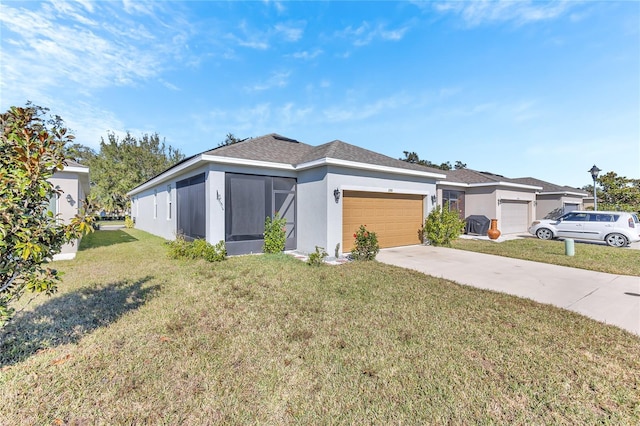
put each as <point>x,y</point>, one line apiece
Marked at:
<point>617,229</point>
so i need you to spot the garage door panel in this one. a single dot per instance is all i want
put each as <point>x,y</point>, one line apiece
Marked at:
<point>515,217</point>
<point>395,218</point>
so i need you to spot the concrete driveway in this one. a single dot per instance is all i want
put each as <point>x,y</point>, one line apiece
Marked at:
<point>611,299</point>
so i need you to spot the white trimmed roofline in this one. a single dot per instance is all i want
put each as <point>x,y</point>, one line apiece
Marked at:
<point>328,161</point>
<point>579,194</point>
<point>485,184</point>
<point>73,169</point>
<point>167,174</point>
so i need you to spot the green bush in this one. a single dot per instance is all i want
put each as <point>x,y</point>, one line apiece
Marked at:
<point>317,258</point>
<point>128,222</point>
<point>274,234</point>
<point>366,245</point>
<point>442,226</point>
<point>198,249</point>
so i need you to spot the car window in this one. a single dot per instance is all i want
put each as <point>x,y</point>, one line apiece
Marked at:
<point>576,217</point>
<point>635,218</point>
<point>599,217</point>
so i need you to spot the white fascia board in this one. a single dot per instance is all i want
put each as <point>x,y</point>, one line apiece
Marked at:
<point>364,166</point>
<point>165,176</point>
<point>244,162</point>
<point>577,194</point>
<point>484,184</point>
<point>74,169</point>
<point>203,158</point>
<point>383,190</point>
<point>459,184</point>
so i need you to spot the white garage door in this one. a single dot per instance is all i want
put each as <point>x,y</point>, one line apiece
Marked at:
<point>515,217</point>
<point>569,207</point>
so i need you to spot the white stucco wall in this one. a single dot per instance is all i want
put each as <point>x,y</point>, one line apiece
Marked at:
<point>73,185</point>
<point>552,206</point>
<point>313,205</point>
<point>161,223</point>
<point>320,217</point>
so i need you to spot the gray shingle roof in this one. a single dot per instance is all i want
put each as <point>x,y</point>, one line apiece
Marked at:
<point>474,176</point>
<point>272,148</point>
<point>73,163</point>
<point>279,149</point>
<point>548,186</point>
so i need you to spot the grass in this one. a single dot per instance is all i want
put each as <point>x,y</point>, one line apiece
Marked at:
<point>594,257</point>
<point>135,338</point>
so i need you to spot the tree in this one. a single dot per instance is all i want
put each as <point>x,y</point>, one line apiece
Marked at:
<point>460,165</point>
<point>412,157</point>
<point>31,150</point>
<point>79,153</point>
<point>123,164</point>
<point>230,140</point>
<point>616,192</point>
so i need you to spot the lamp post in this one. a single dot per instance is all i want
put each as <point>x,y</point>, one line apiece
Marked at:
<point>594,174</point>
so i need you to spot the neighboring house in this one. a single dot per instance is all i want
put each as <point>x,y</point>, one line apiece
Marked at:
<point>555,200</point>
<point>73,180</point>
<point>325,193</point>
<point>471,192</point>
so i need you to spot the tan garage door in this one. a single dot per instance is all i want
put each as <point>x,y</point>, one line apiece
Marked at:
<point>515,217</point>
<point>395,218</point>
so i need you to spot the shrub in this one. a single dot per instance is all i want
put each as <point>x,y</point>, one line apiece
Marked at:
<point>198,249</point>
<point>317,258</point>
<point>366,244</point>
<point>274,234</point>
<point>128,222</point>
<point>442,226</point>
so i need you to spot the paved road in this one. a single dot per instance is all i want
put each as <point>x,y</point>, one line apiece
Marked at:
<point>612,299</point>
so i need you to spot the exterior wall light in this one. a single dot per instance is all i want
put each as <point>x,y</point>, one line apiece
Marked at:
<point>336,195</point>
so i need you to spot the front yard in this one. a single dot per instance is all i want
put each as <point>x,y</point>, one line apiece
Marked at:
<point>591,256</point>
<point>136,338</point>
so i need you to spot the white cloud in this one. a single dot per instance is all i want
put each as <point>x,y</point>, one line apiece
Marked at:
<point>307,55</point>
<point>479,12</point>
<point>277,79</point>
<point>290,32</point>
<point>91,46</point>
<point>361,111</point>
<point>367,33</point>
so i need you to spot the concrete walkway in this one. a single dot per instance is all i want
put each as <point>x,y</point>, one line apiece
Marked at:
<point>612,299</point>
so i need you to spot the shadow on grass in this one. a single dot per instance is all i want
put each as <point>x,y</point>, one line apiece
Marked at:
<point>105,238</point>
<point>68,318</point>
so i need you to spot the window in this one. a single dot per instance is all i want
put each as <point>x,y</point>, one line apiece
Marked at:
<point>168,202</point>
<point>454,200</point>
<point>576,217</point>
<point>53,204</point>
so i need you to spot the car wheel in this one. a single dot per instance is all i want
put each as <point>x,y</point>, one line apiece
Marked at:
<point>616,240</point>
<point>544,234</point>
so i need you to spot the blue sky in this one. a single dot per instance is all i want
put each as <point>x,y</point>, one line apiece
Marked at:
<point>518,88</point>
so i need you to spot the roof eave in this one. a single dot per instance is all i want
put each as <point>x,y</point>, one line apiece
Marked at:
<point>577,194</point>
<point>485,184</point>
<point>327,161</point>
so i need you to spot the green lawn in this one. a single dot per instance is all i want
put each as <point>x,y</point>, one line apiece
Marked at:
<point>595,257</point>
<point>135,338</point>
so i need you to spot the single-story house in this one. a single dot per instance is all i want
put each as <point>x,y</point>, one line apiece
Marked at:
<point>73,180</point>
<point>555,200</point>
<point>325,193</point>
<point>482,193</point>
